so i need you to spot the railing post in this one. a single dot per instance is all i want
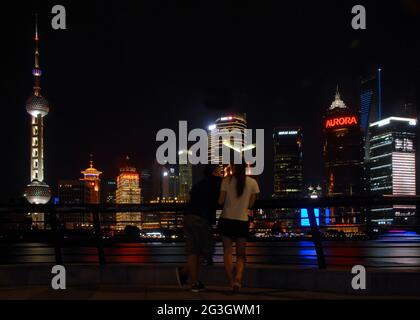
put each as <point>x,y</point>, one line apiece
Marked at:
<point>57,237</point>
<point>98,237</point>
<point>368,221</point>
<point>316,236</point>
<point>418,217</point>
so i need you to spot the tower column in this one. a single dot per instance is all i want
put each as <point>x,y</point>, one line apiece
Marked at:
<point>37,152</point>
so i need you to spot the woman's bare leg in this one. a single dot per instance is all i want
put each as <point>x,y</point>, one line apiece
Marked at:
<point>227,258</point>
<point>240,259</point>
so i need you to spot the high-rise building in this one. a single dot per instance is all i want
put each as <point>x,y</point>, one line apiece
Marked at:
<point>288,162</point>
<point>170,183</point>
<point>110,191</point>
<point>128,191</point>
<point>185,179</point>
<point>146,185</point>
<point>109,195</point>
<point>37,192</point>
<point>91,178</point>
<point>392,165</point>
<point>343,150</point>
<point>231,122</point>
<point>73,192</point>
<point>370,111</point>
<point>157,177</point>
<point>370,100</point>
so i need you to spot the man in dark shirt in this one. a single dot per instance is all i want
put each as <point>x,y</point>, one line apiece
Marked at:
<point>198,222</point>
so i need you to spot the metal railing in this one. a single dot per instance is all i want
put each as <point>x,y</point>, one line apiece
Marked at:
<point>23,240</point>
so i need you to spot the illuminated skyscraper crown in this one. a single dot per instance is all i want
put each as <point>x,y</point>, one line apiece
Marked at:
<point>337,103</point>
<point>91,172</point>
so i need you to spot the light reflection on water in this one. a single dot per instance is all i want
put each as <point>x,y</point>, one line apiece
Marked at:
<point>401,251</point>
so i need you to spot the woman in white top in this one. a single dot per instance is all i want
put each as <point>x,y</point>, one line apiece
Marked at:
<point>237,195</point>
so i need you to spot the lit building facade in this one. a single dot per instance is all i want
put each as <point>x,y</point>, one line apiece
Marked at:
<point>185,173</point>
<point>128,192</point>
<point>343,151</point>
<point>230,122</point>
<point>37,192</point>
<point>170,183</point>
<point>288,162</point>
<point>392,165</point>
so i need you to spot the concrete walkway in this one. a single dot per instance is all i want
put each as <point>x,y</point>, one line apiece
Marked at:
<point>158,281</point>
<point>172,293</point>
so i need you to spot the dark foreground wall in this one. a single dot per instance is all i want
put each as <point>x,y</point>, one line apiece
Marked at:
<point>378,282</point>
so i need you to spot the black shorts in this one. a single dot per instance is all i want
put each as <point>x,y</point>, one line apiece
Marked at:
<point>198,236</point>
<point>233,228</point>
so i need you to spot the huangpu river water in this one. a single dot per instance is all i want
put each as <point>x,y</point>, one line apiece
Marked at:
<point>389,251</point>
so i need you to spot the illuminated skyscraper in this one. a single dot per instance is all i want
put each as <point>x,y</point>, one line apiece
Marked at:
<point>128,191</point>
<point>343,150</point>
<point>37,192</point>
<point>170,183</point>
<point>343,158</point>
<point>288,162</point>
<point>370,100</point>
<point>110,191</point>
<point>185,180</point>
<point>91,178</point>
<point>392,165</point>
<point>370,111</point>
<point>228,122</point>
<point>146,185</point>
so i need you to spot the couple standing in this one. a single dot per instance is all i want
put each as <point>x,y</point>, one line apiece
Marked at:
<point>236,193</point>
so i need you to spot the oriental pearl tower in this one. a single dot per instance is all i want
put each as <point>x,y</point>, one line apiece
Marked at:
<point>37,192</point>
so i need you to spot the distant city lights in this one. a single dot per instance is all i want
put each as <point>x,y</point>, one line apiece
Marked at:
<point>285,133</point>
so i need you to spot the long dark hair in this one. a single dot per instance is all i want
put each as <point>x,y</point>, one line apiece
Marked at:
<point>239,174</point>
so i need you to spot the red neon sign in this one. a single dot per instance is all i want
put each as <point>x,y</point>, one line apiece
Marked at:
<point>341,121</point>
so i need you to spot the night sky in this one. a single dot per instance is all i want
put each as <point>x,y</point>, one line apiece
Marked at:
<point>123,70</point>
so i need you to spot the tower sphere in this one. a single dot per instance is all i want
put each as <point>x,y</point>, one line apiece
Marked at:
<point>37,192</point>
<point>37,105</point>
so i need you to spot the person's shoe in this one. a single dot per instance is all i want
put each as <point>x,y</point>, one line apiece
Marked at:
<point>236,287</point>
<point>198,287</point>
<point>180,277</point>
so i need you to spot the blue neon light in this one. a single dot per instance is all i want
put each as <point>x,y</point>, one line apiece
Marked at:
<point>327,216</point>
<point>304,217</point>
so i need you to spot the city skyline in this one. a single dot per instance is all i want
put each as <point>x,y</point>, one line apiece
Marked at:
<point>209,156</point>
<point>91,111</point>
